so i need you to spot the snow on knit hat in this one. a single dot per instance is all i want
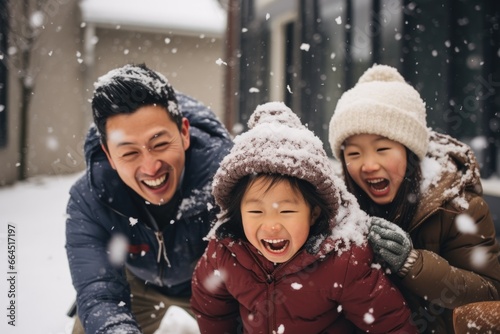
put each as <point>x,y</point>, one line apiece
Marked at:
<point>381,103</point>
<point>278,143</point>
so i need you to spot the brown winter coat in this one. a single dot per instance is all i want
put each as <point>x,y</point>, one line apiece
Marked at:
<point>236,290</point>
<point>477,318</point>
<point>454,268</point>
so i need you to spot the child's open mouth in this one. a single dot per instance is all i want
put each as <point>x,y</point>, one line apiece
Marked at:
<point>156,183</point>
<point>378,185</point>
<point>275,246</point>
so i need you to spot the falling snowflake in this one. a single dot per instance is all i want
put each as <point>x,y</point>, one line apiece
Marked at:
<point>305,47</point>
<point>159,306</point>
<point>220,62</point>
<point>117,249</point>
<point>465,224</point>
<point>214,281</point>
<point>122,303</point>
<point>37,19</point>
<point>296,286</point>
<point>253,90</point>
<point>368,317</point>
<point>281,329</point>
<point>479,257</point>
<point>133,221</point>
<point>338,20</point>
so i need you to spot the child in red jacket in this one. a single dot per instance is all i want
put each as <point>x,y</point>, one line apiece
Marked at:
<point>288,253</point>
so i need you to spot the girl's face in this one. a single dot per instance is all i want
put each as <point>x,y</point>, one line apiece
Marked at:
<point>376,164</point>
<point>276,220</point>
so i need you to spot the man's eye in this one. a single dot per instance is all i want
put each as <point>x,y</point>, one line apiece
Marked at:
<point>352,154</point>
<point>383,149</point>
<point>160,145</point>
<point>288,211</point>
<point>129,154</point>
<point>254,211</point>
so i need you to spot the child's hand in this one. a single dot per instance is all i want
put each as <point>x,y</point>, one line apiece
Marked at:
<point>390,242</point>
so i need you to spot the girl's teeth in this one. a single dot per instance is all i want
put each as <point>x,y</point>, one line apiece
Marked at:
<point>270,245</point>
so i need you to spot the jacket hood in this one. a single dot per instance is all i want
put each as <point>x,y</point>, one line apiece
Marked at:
<point>450,173</point>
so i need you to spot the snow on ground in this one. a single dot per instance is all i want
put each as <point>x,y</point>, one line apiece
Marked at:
<point>43,290</point>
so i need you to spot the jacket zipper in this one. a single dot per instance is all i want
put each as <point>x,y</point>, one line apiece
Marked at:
<point>162,250</point>
<point>270,279</point>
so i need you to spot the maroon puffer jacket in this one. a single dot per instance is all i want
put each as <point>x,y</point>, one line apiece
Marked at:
<point>237,290</point>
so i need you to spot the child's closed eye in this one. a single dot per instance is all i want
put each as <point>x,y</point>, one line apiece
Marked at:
<point>352,154</point>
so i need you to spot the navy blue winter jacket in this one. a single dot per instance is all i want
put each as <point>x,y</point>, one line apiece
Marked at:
<point>101,206</point>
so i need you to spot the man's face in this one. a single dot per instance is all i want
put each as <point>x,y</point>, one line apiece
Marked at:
<point>148,151</point>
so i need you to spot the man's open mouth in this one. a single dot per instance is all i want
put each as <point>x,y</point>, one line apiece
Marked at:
<point>156,183</point>
<point>275,246</point>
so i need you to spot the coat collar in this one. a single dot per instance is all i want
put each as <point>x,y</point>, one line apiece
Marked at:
<point>450,173</point>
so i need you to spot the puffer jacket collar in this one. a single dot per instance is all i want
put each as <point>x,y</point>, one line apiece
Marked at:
<point>450,173</point>
<point>252,260</point>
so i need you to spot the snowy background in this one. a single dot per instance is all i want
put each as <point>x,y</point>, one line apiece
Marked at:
<point>44,293</point>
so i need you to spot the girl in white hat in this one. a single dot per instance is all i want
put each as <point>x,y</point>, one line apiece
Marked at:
<point>437,238</point>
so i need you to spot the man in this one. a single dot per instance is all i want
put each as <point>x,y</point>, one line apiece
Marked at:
<point>150,160</point>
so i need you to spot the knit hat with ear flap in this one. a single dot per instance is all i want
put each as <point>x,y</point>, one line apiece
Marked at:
<point>276,143</point>
<point>381,103</point>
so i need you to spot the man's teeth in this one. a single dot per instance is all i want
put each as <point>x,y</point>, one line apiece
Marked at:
<point>157,182</point>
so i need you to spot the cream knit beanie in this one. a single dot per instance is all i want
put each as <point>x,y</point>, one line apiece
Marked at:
<point>381,103</point>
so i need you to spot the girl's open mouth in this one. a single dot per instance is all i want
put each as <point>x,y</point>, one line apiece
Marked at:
<point>378,185</point>
<point>275,245</point>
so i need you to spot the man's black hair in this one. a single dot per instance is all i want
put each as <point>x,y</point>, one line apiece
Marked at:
<point>128,88</point>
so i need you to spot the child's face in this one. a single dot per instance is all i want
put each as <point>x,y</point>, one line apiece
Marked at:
<point>277,220</point>
<point>376,164</point>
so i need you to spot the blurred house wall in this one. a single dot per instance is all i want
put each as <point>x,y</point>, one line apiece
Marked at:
<point>59,113</point>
